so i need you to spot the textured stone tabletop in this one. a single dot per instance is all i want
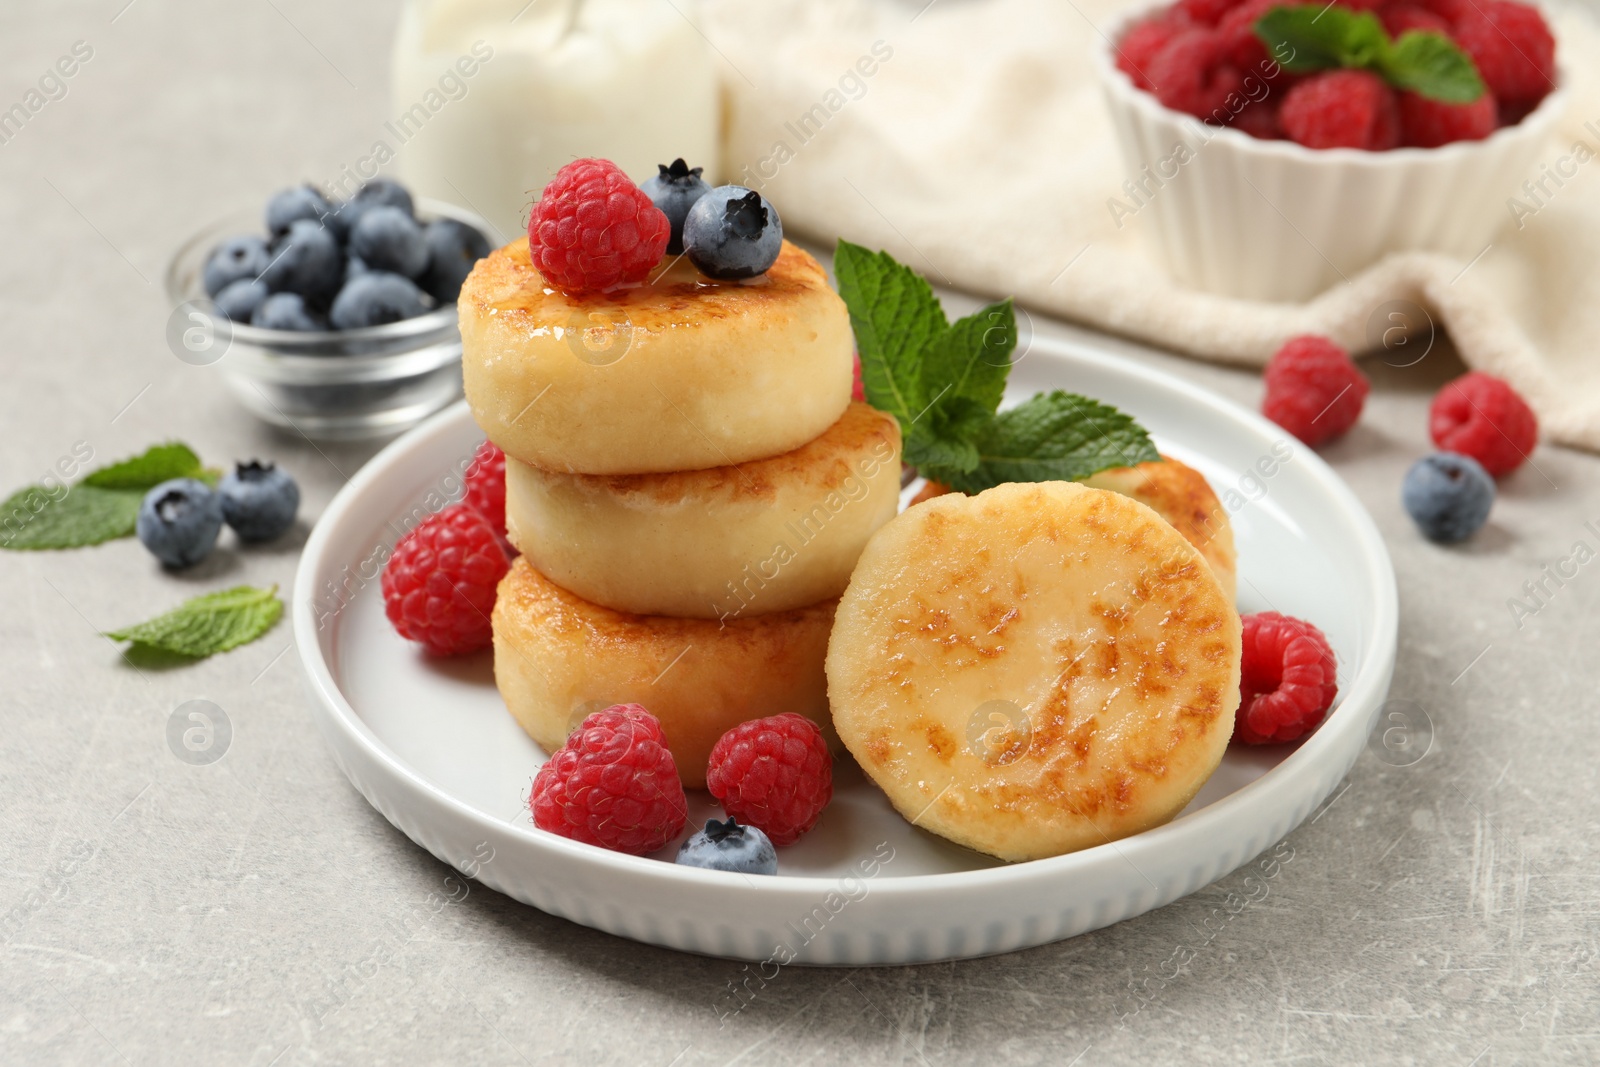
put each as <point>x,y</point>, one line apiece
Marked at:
<point>257,911</point>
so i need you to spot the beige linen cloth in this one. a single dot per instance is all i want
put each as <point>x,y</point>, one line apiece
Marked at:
<point>980,152</point>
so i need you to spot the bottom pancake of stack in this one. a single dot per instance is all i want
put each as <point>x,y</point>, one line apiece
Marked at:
<point>558,657</point>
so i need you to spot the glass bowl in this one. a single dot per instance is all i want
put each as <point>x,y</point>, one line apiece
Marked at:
<point>328,385</point>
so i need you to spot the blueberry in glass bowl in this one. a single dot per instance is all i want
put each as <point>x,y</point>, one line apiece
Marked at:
<point>332,329</point>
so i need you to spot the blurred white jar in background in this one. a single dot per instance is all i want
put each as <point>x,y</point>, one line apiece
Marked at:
<point>492,97</point>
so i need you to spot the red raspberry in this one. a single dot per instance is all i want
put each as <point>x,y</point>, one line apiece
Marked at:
<point>1342,109</point>
<point>1479,415</point>
<point>1139,46</point>
<point>593,229</point>
<point>1204,12</point>
<point>1189,75</point>
<point>1260,119</point>
<point>439,585</point>
<point>774,774</point>
<point>858,388</point>
<point>1242,47</point>
<point>1430,123</point>
<point>1513,48</point>
<point>1452,11</point>
<point>1403,18</point>
<point>612,784</point>
<point>486,485</point>
<point>1314,390</point>
<point>1287,679</point>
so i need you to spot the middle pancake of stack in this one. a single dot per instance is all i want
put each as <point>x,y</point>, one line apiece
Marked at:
<point>690,487</point>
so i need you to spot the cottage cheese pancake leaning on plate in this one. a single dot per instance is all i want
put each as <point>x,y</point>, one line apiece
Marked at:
<point>1034,670</point>
<point>680,373</point>
<point>763,536</point>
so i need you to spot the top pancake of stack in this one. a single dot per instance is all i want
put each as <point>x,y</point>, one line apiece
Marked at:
<point>681,373</point>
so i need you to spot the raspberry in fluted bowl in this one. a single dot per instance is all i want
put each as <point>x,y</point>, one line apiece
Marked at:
<point>1276,150</point>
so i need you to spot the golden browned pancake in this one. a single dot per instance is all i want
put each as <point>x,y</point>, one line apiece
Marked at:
<point>763,536</point>
<point>681,373</point>
<point>558,657</point>
<point>1036,669</point>
<point>1175,491</point>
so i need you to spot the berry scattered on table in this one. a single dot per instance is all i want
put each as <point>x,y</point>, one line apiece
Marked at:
<point>294,204</point>
<point>374,298</point>
<point>453,249</point>
<point>179,521</point>
<point>593,229</point>
<point>1314,389</point>
<point>286,311</point>
<point>259,500</point>
<point>612,784</point>
<point>775,774</point>
<point>729,846</point>
<point>1448,496</point>
<point>732,233</point>
<point>486,485</point>
<point>675,191</point>
<point>1427,123</point>
<point>387,238</point>
<point>1342,109</point>
<point>1287,679</point>
<point>439,585</point>
<point>236,259</point>
<point>1481,416</point>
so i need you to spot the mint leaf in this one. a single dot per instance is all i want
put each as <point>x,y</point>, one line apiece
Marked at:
<point>205,625</point>
<point>972,357</point>
<point>1312,38</point>
<point>148,470</point>
<point>36,517</point>
<point>1055,436</point>
<point>946,434</point>
<point>1431,65</point>
<point>895,317</point>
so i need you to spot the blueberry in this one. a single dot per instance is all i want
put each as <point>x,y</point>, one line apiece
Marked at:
<point>375,298</point>
<point>233,260</point>
<point>675,191</point>
<point>179,520</point>
<point>354,267</point>
<point>240,300</point>
<point>286,311</point>
<point>306,260</point>
<point>1448,496</point>
<point>387,238</point>
<point>258,500</point>
<point>732,233</point>
<point>453,247</point>
<point>292,205</point>
<point>727,846</point>
<point>381,192</point>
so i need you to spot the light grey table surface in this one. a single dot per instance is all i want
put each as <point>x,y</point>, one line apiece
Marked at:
<point>255,911</point>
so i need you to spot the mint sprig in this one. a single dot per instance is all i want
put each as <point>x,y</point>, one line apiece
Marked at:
<point>103,506</point>
<point>1314,37</point>
<point>207,624</point>
<point>944,382</point>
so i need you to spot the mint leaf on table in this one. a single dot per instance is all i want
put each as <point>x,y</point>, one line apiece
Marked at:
<point>1057,436</point>
<point>1431,65</point>
<point>944,382</point>
<point>36,517</point>
<point>1314,37</point>
<point>149,469</point>
<point>103,506</point>
<point>207,624</point>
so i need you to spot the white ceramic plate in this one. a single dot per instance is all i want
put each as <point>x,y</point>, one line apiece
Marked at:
<point>431,746</point>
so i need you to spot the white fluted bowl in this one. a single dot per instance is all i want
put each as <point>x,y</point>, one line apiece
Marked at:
<point>1276,221</point>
